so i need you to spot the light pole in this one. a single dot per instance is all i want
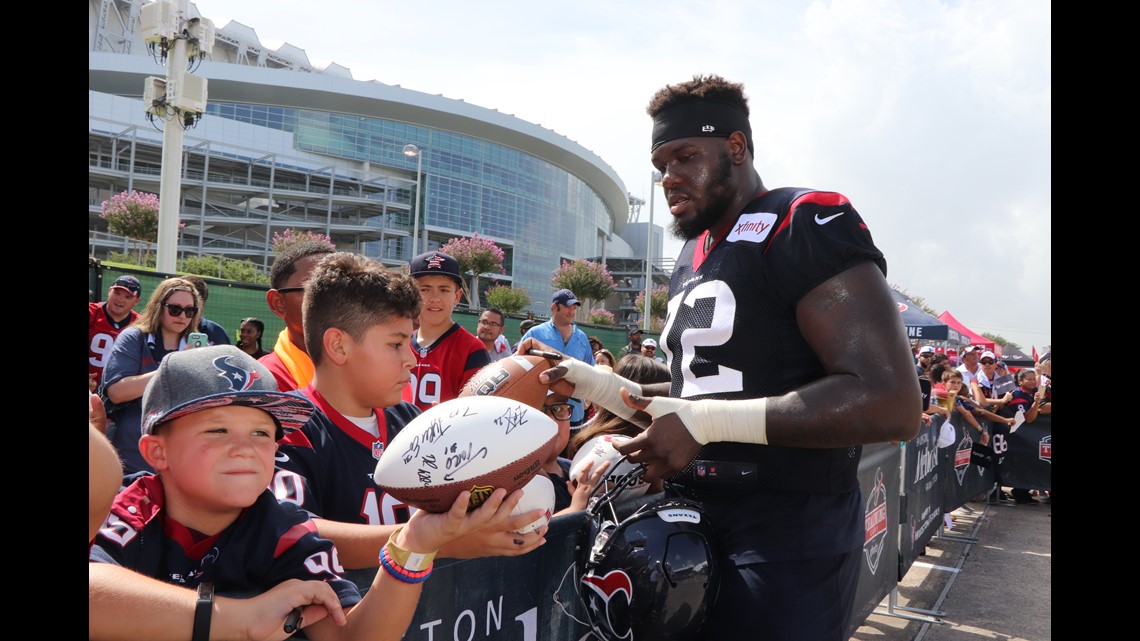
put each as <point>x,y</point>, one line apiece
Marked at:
<point>655,180</point>
<point>412,150</point>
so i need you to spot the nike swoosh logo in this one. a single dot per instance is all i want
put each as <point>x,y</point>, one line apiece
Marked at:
<point>745,472</point>
<point>824,221</point>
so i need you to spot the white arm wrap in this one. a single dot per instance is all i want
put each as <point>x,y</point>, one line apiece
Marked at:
<point>599,386</point>
<point>715,421</point>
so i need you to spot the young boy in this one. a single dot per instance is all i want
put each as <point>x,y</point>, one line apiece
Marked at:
<point>358,322</point>
<point>207,522</point>
<point>447,355</point>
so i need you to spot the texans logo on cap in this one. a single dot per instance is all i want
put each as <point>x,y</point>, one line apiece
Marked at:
<point>435,262</point>
<point>239,379</point>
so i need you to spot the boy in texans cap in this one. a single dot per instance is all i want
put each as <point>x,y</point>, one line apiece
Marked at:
<point>206,521</point>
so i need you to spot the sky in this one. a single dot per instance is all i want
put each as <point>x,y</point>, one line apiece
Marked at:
<point>933,118</point>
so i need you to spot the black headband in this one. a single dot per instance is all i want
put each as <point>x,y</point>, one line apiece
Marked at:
<point>707,118</point>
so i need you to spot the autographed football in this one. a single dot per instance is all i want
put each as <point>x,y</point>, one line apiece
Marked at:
<point>476,443</point>
<point>514,377</point>
<point>600,448</point>
<point>537,494</point>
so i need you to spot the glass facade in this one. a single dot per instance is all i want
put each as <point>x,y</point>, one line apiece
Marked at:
<point>537,211</point>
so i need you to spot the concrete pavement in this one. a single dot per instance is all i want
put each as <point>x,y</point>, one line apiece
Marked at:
<point>987,577</point>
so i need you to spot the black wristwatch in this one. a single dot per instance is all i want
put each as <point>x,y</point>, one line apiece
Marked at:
<point>203,612</point>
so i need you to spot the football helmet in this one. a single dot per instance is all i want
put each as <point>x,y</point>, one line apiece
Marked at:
<point>652,575</point>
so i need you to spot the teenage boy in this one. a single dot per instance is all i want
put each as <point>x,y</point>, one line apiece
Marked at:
<point>358,322</point>
<point>288,361</point>
<point>206,522</point>
<point>447,355</point>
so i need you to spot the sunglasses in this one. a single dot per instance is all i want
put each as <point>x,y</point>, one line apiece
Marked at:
<point>560,411</point>
<point>176,310</point>
<point>986,361</point>
<point>286,290</point>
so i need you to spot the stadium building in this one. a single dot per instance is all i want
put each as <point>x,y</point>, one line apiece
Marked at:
<point>281,144</point>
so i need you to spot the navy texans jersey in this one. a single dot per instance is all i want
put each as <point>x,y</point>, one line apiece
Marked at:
<point>731,333</point>
<point>445,366</point>
<point>270,542</point>
<point>326,466</point>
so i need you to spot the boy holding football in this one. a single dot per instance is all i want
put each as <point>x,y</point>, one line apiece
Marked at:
<point>358,324</point>
<point>205,522</point>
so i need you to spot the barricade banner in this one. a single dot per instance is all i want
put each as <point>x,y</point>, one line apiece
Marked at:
<point>922,494</point>
<point>1028,463</point>
<point>532,597</point>
<point>964,478</point>
<point>878,572</point>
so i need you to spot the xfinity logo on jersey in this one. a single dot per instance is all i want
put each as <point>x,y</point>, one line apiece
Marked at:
<point>875,521</point>
<point>752,228</point>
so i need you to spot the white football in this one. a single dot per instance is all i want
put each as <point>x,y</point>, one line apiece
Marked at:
<point>537,494</point>
<point>475,443</point>
<point>600,448</point>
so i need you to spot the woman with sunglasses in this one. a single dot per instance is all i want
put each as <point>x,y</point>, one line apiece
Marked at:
<point>170,315</point>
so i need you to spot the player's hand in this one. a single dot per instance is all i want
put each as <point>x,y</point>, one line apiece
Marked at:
<point>92,382</point>
<point>96,413</point>
<point>665,447</point>
<point>580,487</point>
<point>602,386</point>
<point>262,618</point>
<point>488,531</point>
<point>557,383</point>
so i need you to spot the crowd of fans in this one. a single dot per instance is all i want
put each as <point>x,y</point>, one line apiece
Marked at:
<point>988,395</point>
<point>311,418</point>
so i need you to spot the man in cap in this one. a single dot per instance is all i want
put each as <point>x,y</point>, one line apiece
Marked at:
<point>563,335</point>
<point>105,322</point>
<point>969,366</point>
<point>924,356</point>
<point>634,346</point>
<point>649,350</point>
<point>447,355</point>
<point>524,327</point>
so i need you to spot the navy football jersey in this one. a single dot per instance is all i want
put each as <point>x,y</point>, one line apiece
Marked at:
<point>326,466</point>
<point>731,333</point>
<point>270,542</point>
<point>445,366</point>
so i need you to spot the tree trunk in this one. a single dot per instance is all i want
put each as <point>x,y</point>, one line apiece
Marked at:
<point>473,293</point>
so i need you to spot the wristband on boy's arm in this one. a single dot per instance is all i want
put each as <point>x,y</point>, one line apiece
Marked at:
<point>716,421</point>
<point>405,565</point>
<point>600,386</point>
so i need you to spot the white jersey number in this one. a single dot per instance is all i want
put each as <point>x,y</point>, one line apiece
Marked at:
<point>100,347</point>
<point>427,389</point>
<point>717,333</point>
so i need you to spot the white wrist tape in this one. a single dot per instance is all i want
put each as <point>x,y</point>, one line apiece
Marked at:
<point>599,386</point>
<point>716,421</point>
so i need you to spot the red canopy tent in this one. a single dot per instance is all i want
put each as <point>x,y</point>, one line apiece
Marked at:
<point>973,337</point>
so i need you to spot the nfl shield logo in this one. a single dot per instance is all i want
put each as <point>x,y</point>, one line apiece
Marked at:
<point>377,449</point>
